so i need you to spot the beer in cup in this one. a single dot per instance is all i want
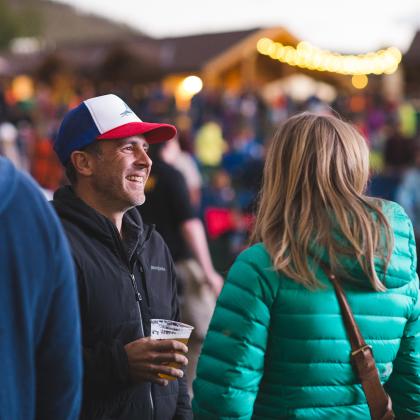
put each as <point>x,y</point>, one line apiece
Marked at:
<point>165,329</point>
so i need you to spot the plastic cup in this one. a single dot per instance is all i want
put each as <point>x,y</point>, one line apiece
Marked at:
<point>165,329</point>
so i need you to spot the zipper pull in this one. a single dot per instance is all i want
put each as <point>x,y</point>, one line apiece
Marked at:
<point>136,291</point>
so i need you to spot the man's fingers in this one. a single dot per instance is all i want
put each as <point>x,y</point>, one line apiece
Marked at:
<point>170,358</point>
<point>171,371</point>
<point>168,345</point>
<point>152,373</point>
<point>152,369</point>
<point>148,358</point>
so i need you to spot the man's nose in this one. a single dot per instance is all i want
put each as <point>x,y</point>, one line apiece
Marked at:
<point>143,158</point>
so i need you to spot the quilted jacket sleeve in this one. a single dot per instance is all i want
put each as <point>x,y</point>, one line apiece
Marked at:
<point>232,360</point>
<point>404,383</point>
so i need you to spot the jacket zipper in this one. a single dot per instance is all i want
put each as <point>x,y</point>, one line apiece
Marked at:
<point>138,300</point>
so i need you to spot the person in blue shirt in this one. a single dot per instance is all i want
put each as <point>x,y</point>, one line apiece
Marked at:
<point>40,350</point>
<point>408,195</point>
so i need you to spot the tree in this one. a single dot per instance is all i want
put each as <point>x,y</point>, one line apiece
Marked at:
<point>9,26</point>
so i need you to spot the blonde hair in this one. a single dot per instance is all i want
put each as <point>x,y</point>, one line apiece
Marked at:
<point>312,200</point>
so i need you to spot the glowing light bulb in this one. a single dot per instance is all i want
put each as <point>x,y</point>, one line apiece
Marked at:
<point>396,53</point>
<point>263,45</point>
<point>191,85</point>
<point>359,81</point>
<point>308,56</point>
<point>391,69</point>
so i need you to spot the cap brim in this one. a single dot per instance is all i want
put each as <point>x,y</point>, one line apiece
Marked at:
<point>152,132</point>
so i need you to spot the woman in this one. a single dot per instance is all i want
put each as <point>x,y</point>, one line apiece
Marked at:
<point>277,346</point>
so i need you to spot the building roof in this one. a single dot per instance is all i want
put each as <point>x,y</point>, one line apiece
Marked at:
<point>158,57</point>
<point>412,56</point>
<point>190,53</point>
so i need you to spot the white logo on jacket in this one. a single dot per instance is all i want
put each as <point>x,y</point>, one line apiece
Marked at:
<point>157,268</point>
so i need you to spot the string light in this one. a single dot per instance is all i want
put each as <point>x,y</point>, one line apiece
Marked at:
<point>310,57</point>
<point>359,81</point>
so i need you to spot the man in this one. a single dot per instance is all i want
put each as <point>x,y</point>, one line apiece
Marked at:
<point>40,351</point>
<point>169,207</point>
<point>124,269</point>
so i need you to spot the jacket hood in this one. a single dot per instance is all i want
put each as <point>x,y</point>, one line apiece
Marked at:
<point>8,182</point>
<point>74,210</point>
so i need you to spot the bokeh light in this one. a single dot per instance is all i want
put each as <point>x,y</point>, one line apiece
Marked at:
<point>307,56</point>
<point>22,88</point>
<point>191,85</point>
<point>359,81</point>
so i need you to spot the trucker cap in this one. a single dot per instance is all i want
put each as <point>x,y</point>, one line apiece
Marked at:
<point>104,117</point>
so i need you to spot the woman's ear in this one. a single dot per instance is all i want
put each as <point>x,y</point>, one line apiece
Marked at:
<point>82,162</point>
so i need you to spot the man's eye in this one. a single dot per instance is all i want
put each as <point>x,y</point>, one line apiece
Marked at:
<point>128,148</point>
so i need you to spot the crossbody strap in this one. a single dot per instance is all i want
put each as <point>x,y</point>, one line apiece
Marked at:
<point>363,363</point>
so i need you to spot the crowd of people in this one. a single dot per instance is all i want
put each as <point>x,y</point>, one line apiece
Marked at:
<point>222,140</point>
<point>138,239</point>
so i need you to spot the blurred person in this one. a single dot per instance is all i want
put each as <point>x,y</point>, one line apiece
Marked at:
<point>277,346</point>
<point>46,168</point>
<point>8,145</point>
<point>4,109</point>
<point>223,220</point>
<point>317,105</point>
<point>244,163</point>
<point>407,120</point>
<point>398,154</point>
<point>250,183</point>
<point>219,192</point>
<point>169,207</point>
<point>183,125</point>
<point>398,150</point>
<point>124,269</point>
<point>27,135</point>
<point>408,195</point>
<point>160,104</point>
<point>279,108</point>
<point>184,163</point>
<point>244,149</point>
<point>205,106</point>
<point>209,146</point>
<point>41,355</point>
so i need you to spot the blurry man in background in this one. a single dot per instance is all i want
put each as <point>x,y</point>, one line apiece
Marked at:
<point>40,351</point>
<point>169,207</point>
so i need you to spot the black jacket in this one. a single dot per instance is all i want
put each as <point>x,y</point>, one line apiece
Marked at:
<point>110,275</point>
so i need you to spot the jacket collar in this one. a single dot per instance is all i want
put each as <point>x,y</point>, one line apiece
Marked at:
<point>73,209</point>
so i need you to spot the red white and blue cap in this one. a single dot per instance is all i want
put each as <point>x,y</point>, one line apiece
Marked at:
<point>104,117</point>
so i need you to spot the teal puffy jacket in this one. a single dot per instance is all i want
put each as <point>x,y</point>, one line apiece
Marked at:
<point>277,350</point>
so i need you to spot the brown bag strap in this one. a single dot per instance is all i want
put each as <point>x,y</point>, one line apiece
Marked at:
<point>379,402</point>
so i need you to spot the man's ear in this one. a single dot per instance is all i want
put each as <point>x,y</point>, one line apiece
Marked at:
<point>82,162</point>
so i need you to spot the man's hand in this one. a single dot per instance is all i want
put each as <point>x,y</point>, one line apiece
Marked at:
<point>215,281</point>
<point>148,358</point>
